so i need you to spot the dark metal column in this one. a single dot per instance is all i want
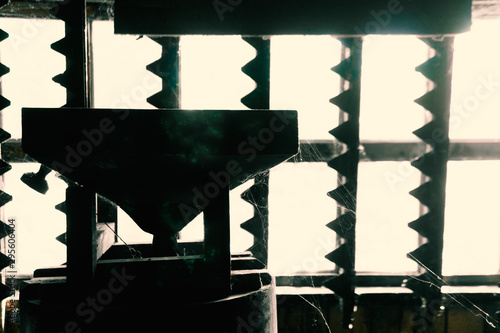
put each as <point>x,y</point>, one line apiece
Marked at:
<point>433,165</point>
<point>346,165</point>
<point>258,194</point>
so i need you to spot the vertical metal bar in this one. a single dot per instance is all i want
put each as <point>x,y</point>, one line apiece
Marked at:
<point>343,117</point>
<point>217,248</point>
<point>76,78</point>
<point>90,67</point>
<point>74,47</point>
<point>346,165</point>
<point>81,240</point>
<point>433,164</point>
<point>4,197</point>
<point>167,68</point>
<point>257,195</point>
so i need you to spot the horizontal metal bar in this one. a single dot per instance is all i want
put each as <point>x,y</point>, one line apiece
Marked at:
<point>12,152</point>
<point>408,151</point>
<point>391,151</point>
<point>323,151</point>
<point>103,9</point>
<point>285,17</point>
<point>317,151</point>
<point>383,280</point>
<point>96,9</point>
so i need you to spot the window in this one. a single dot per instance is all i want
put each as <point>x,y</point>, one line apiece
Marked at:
<point>473,119</point>
<point>300,79</point>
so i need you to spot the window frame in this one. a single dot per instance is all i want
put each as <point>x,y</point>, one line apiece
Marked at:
<point>372,151</point>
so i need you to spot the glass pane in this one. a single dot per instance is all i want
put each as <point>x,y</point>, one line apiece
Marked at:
<point>299,210</point>
<point>472,223</point>
<point>476,80</point>
<point>38,222</point>
<point>129,231</point>
<point>389,86</point>
<point>121,79</point>
<point>301,80</point>
<point>384,210</point>
<point>239,211</point>
<point>211,76</point>
<point>32,65</point>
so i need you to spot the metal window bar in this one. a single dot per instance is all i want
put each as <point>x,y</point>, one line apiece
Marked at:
<point>77,49</point>
<point>5,229</point>
<point>433,165</point>
<point>346,165</point>
<point>257,195</point>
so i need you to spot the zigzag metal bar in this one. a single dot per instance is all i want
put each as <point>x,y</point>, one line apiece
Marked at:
<point>347,167</point>
<point>74,48</point>
<point>167,68</point>
<point>258,69</point>
<point>4,197</point>
<point>433,164</point>
<point>257,195</point>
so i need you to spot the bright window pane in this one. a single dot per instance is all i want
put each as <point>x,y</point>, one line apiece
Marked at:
<point>239,211</point>
<point>301,80</point>
<point>476,83</point>
<point>390,85</point>
<point>299,210</point>
<point>38,222</point>
<point>211,76</point>
<point>32,65</point>
<point>472,227</point>
<point>384,210</point>
<point>121,79</point>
